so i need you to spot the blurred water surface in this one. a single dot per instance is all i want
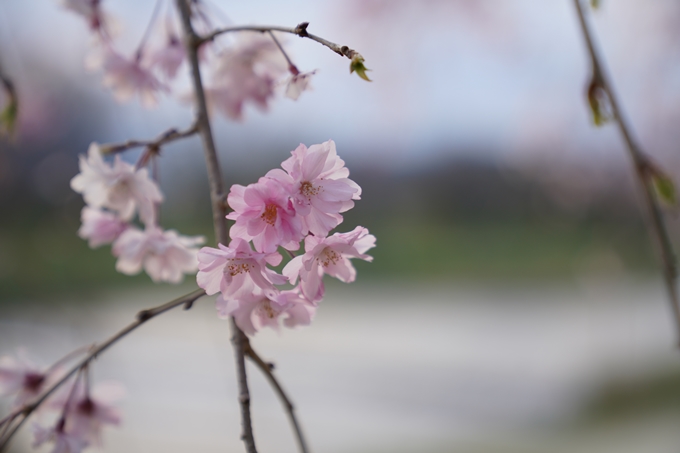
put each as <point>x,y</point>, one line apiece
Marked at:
<point>429,368</point>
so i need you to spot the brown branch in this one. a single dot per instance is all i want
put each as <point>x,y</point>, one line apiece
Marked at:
<point>300,30</point>
<point>192,42</point>
<point>142,317</point>
<point>641,164</point>
<point>267,368</point>
<point>166,137</point>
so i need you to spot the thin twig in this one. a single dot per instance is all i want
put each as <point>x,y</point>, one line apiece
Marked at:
<point>142,317</point>
<point>267,368</point>
<point>642,170</point>
<point>166,137</point>
<point>291,66</point>
<point>300,30</point>
<point>192,42</point>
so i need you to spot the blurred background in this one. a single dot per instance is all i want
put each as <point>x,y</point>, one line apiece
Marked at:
<point>514,303</point>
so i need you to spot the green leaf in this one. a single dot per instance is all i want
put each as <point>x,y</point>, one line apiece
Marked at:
<point>357,65</point>
<point>599,104</point>
<point>8,117</point>
<point>595,4</point>
<point>665,187</point>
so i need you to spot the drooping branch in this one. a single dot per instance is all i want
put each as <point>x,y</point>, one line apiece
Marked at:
<point>192,42</point>
<point>300,30</point>
<point>166,137</point>
<point>267,369</point>
<point>143,316</point>
<point>644,169</point>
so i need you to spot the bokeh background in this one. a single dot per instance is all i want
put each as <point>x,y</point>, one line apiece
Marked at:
<point>514,303</point>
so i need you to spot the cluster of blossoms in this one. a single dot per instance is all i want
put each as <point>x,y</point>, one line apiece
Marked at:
<point>302,201</point>
<point>247,71</point>
<point>80,413</point>
<point>114,193</point>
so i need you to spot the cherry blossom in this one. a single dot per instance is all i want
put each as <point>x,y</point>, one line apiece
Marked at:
<point>330,256</point>
<point>20,377</point>
<point>100,227</point>
<point>320,187</point>
<point>90,10</point>
<point>64,442</point>
<point>237,270</point>
<point>261,309</point>
<point>164,255</point>
<point>297,84</point>
<point>87,412</point>
<point>245,72</point>
<point>127,77</point>
<point>264,214</point>
<point>168,58</point>
<point>119,187</point>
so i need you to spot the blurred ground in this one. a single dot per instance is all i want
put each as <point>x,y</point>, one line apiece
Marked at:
<point>400,368</point>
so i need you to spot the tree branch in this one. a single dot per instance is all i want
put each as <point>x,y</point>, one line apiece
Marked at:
<point>300,30</point>
<point>267,368</point>
<point>142,317</point>
<point>642,167</point>
<point>166,137</point>
<point>239,339</point>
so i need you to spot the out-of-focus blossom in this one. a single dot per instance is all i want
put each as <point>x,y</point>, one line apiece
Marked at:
<point>261,309</point>
<point>87,412</point>
<point>64,442</point>
<point>297,84</point>
<point>100,227</point>
<point>164,255</point>
<point>245,72</point>
<point>21,378</point>
<point>330,256</point>
<point>319,184</point>
<point>91,10</point>
<point>237,270</point>
<point>264,214</point>
<point>168,58</point>
<point>119,187</point>
<point>127,77</point>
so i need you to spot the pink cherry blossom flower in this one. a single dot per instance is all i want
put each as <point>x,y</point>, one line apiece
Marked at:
<point>90,10</point>
<point>298,83</point>
<point>87,412</point>
<point>164,255</point>
<point>168,58</point>
<point>264,214</point>
<point>236,270</point>
<point>119,187</point>
<point>320,187</point>
<point>261,309</point>
<point>22,378</point>
<point>127,77</point>
<point>330,256</point>
<point>64,442</point>
<point>100,227</point>
<point>246,72</point>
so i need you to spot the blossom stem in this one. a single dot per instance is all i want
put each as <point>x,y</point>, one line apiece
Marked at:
<point>267,368</point>
<point>166,137</point>
<point>300,30</point>
<point>641,165</point>
<point>147,32</point>
<point>142,317</point>
<point>291,67</point>
<point>192,43</point>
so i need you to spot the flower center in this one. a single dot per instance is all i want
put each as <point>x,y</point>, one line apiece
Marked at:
<point>308,190</point>
<point>236,267</point>
<point>267,309</point>
<point>269,214</point>
<point>329,256</point>
<point>33,381</point>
